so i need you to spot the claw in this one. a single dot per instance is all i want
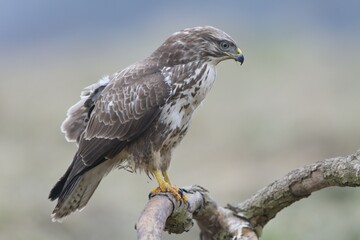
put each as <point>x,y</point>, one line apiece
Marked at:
<point>183,197</point>
<point>165,186</point>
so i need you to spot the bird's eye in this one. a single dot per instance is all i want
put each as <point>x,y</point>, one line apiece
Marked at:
<point>224,45</point>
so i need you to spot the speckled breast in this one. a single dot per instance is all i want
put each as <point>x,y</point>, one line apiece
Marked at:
<point>187,96</point>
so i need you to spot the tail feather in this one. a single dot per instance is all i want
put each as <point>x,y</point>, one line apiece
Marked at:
<point>59,186</point>
<point>77,195</point>
<point>77,185</point>
<point>73,191</point>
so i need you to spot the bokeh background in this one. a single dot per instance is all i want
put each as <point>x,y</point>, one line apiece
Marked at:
<point>293,102</point>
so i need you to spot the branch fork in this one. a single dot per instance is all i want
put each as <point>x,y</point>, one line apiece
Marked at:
<point>244,220</point>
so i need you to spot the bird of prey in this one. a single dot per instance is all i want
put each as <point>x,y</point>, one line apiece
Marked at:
<point>134,118</point>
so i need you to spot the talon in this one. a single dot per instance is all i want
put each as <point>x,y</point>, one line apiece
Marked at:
<point>165,186</point>
<point>183,197</point>
<point>181,192</point>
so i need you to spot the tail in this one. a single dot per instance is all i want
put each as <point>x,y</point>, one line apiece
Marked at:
<point>74,195</point>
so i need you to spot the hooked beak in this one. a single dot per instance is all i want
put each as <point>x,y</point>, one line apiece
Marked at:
<point>239,57</point>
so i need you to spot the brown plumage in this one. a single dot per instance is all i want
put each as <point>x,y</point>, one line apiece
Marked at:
<point>134,118</point>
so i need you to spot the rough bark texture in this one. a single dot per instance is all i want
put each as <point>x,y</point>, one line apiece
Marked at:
<point>244,220</point>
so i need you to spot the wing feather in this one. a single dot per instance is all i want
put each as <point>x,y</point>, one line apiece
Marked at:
<point>78,114</point>
<point>123,111</point>
<point>122,106</point>
<point>111,117</point>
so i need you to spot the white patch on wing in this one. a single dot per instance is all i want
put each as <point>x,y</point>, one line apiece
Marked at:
<point>109,106</point>
<point>185,31</point>
<point>104,80</point>
<point>180,42</point>
<point>167,80</point>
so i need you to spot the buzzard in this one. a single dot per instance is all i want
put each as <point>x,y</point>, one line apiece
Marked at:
<point>134,118</point>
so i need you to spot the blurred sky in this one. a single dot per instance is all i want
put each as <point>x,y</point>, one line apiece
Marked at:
<point>294,101</point>
<point>24,23</point>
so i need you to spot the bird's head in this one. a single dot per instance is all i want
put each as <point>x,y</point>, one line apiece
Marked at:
<point>199,43</point>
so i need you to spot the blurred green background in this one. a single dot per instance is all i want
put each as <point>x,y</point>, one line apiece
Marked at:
<point>293,102</point>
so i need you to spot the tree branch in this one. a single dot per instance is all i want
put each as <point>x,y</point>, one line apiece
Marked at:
<point>300,183</point>
<point>163,212</point>
<point>244,220</point>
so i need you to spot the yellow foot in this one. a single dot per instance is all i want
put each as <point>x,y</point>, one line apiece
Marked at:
<point>165,186</point>
<point>175,191</point>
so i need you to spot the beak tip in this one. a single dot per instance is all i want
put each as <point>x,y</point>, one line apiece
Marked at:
<point>240,59</point>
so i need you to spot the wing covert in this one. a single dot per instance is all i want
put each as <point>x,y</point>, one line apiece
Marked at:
<point>123,111</point>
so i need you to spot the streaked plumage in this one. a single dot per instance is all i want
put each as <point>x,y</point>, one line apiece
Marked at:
<point>134,118</point>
